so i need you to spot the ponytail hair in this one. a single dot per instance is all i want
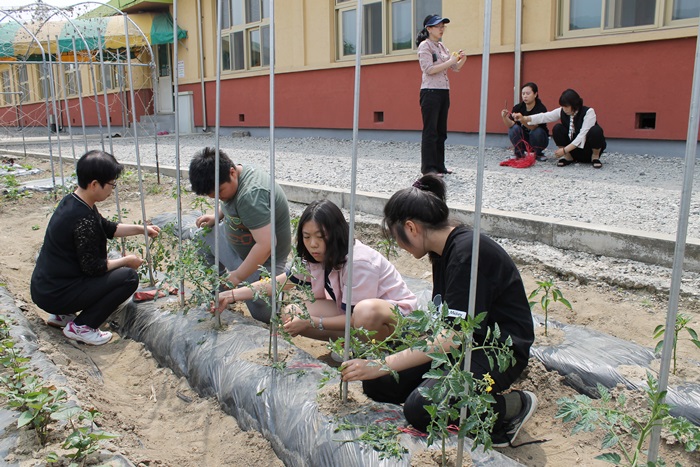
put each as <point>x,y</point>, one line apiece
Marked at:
<point>423,33</point>
<point>424,202</point>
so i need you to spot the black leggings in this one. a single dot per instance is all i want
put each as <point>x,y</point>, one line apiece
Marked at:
<point>386,389</point>
<point>97,297</point>
<point>595,139</point>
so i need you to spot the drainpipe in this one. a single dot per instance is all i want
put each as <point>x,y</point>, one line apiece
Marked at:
<point>201,65</point>
<point>518,52</point>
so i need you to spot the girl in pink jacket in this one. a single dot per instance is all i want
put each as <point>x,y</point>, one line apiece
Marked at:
<point>377,287</point>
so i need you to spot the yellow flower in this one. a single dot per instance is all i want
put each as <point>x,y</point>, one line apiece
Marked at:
<point>489,382</point>
<point>373,341</point>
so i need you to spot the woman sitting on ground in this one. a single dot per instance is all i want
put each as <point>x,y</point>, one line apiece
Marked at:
<point>522,134</point>
<point>418,218</point>
<point>377,287</point>
<point>578,136</point>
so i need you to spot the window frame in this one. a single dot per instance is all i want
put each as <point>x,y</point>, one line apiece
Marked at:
<point>6,80</point>
<point>662,19</point>
<point>23,84</point>
<point>668,17</point>
<point>70,77</point>
<point>246,30</point>
<point>387,28</point>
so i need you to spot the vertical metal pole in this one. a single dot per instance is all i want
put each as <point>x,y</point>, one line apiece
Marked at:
<point>517,55</point>
<point>65,98</point>
<point>121,74</point>
<point>136,146</point>
<point>216,145</point>
<point>105,98</point>
<point>201,65</point>
<point>103,80</point>
<point>353,185</point>
<point>21,114</point>
<point>485,59</point>
<point>273,252</point>
<point>55,110</point>
<point>80,94</point>
<point>91,71</point>
<point>47,84</point>
<point>178,199</point>
<point>691,144</point>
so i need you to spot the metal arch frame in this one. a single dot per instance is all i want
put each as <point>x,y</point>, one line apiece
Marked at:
<point>51,12</point>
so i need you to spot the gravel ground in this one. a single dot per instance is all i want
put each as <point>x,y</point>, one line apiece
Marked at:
<point>640,192</point>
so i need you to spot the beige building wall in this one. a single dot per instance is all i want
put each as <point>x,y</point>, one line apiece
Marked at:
<point>306,37</point>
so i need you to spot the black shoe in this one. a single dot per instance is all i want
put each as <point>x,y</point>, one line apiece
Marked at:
<point>512,427</point>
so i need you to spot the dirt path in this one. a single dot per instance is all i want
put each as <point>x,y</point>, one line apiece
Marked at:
<point>161,421</point>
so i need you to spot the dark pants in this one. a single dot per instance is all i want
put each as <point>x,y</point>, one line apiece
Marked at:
<point>386,389</point>
<point>434,105</point>
<point>595,139</point>
<point>97,297</point>
<point>537,139</point>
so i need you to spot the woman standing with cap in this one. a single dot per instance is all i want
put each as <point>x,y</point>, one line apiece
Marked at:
<point>435,60</point>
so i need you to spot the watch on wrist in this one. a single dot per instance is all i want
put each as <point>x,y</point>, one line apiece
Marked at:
<point>320,323</point>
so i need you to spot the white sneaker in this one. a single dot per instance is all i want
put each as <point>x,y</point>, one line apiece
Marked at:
<point>86,334</point>
<point>59,321</point>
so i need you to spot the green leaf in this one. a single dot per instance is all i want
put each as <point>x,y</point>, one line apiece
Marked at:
<point>659,346</point>
<point>610,440</point>
<point>610,457</point>
<point>25,418</point>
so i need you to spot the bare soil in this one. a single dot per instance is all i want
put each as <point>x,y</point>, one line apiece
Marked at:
<point>160,420</point>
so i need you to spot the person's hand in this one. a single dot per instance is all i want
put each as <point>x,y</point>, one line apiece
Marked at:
<point>233,280</point>
<point>454,58</point>
<point>207,220</point>
<point>296,325</point>
<point>461,54</point>
<point>559,152</point>
<point>361,370</point>
<point>153,231</point>
<point>225,299</point>
<point>518,117</point>
<point>132,261</point>
<point>504,113</point>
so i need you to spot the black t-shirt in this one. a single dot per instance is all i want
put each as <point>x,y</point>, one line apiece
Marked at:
<point>539,108</point>
<point>75,247</point>
<point>499,291</point>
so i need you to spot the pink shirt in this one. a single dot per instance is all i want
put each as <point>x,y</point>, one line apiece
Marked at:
<point>373,276</point>
<point>427,50</point>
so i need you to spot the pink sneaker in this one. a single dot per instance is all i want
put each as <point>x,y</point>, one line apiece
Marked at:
<point>86,334</point>
<point>59,321</point>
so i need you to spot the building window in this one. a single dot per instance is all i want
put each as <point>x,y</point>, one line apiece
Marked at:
<point>245,34</point>
<point>590,17</point>
<point>112,79</point>
<point>388,25</point>
<point>42,71</point>
<point>71,78</point>
<point>23,80</point>
<point>6,87</point>
<point>685,9</point>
